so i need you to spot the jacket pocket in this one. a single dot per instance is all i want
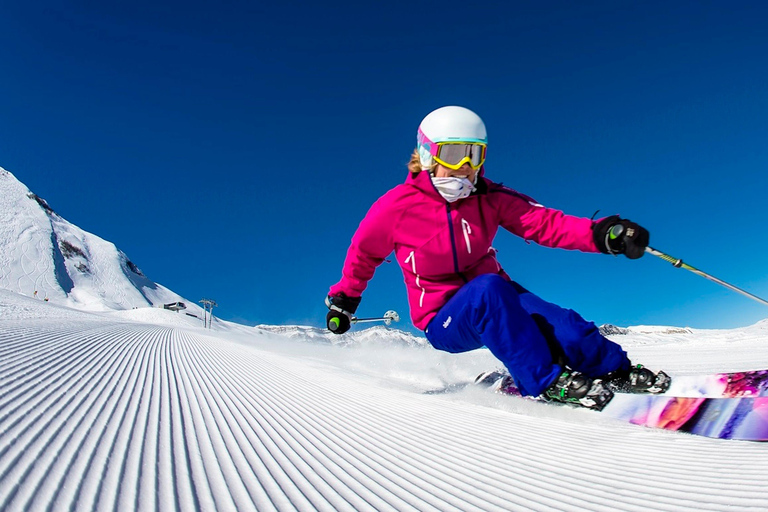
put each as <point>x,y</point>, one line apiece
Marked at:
<point>467,230</point>
<point>411,259</point>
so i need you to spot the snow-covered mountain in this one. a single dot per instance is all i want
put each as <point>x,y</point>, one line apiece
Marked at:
<point>44,256</point>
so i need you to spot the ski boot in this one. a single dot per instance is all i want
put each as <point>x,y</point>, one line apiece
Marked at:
<point>575,388</point>
<point>637,380</point>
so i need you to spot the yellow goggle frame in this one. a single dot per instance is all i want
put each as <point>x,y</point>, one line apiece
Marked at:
<point>455,154</point>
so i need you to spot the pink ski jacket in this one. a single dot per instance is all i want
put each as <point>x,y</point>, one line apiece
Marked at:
<point>441,246</point>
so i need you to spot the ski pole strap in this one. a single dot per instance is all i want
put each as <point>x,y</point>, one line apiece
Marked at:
<point>678,263</point>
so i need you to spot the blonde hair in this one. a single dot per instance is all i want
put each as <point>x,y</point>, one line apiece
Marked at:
<point>414,166</point>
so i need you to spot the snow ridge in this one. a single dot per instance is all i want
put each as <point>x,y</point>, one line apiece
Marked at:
<point>372,335</point>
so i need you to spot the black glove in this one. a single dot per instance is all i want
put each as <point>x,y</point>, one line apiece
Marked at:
<point>339,318</point>
<point>614,235</point>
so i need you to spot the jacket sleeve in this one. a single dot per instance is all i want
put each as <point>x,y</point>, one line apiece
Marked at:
<point>524,217</point>
<point>371,244</point>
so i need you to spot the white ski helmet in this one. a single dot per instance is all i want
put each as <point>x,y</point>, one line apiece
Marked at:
<point>456,124</point>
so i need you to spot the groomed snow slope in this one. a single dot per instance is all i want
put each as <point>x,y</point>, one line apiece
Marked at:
<point>101,411</point>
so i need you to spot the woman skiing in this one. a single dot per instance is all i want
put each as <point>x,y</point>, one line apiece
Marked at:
<point>441,222</point>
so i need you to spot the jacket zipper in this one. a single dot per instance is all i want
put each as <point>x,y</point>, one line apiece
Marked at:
<point>453,244</point>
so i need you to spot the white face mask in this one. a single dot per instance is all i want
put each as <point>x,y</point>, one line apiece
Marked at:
<point>453,189</point>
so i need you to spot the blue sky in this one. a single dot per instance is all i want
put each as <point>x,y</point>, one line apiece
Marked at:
<point>231,148</point>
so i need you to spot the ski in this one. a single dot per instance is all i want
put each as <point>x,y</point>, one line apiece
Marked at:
<point>746,384</point>
<point>742,418</point>
<point>739,412</point>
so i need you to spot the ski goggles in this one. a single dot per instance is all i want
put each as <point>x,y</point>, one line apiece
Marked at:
<point>455,154</point>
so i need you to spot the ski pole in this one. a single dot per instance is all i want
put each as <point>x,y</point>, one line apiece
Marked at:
<point>388,318</point>
<point>677,263</point>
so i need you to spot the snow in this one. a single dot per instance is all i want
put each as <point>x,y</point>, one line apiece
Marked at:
<point>143,409</point>
<point>108,402</point>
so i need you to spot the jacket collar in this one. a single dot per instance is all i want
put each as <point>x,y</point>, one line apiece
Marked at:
<point>423,182</point>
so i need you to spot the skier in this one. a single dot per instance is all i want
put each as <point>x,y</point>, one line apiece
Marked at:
<point>441,223</point>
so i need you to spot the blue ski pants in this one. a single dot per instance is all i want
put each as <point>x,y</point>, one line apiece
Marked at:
<point>533,338</point>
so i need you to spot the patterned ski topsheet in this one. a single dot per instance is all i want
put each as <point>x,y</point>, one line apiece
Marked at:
<point>724,418</point>
<point>739,412</point>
